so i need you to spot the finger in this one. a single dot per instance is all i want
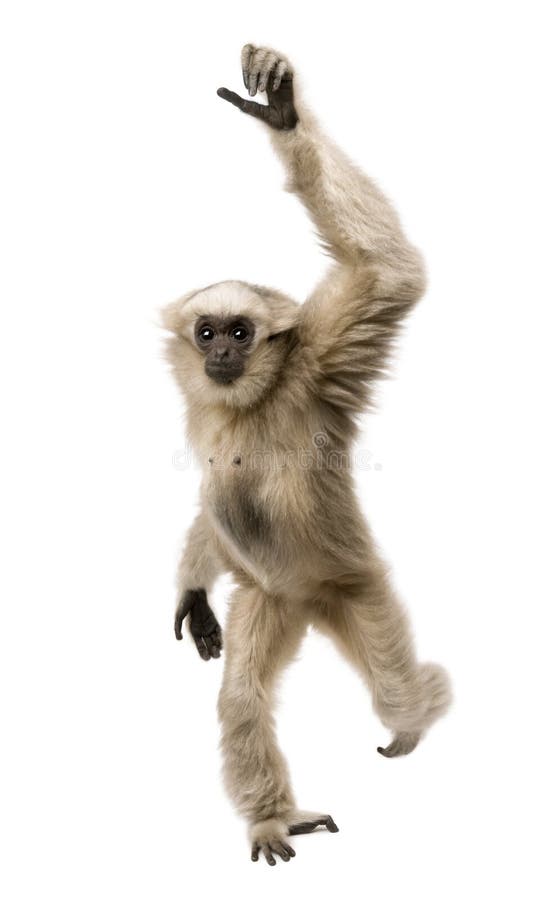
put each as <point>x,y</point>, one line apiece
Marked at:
<point>184,607</point>
<point>209,644</point>
<point>217,638</point>
<point>268,855</point>
<point>268,65</point>
<point>279,848</point>
<point>290,850</point>
<point>256,68</point>
<point>262,84</point>
<point>257,110</point>
<point>231,97</point>
<point>252,83</point>
<point>202,649</point>
<point>255,852</point>
<point>246,55</point>
<point>280,71</point>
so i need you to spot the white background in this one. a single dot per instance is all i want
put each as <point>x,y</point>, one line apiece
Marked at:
<point>126,182</point>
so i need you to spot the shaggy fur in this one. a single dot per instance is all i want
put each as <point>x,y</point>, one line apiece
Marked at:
<point>278,505</point>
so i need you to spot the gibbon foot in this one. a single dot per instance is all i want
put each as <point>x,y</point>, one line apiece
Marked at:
<point>204,627</point>
<point>269,837</point>
<point>403,743</point>
<point>309,825</point>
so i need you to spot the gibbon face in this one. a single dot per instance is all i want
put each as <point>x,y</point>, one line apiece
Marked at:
<point>224,342</point>
<point>224,346</point>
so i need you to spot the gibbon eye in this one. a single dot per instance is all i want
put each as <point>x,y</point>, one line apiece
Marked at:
<point>206,333</point>
<point>239,333</point>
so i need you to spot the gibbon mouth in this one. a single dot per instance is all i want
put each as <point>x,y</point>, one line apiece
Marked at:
<point>222,374</point>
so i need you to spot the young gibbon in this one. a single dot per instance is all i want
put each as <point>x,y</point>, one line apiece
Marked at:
<point>273,389</point>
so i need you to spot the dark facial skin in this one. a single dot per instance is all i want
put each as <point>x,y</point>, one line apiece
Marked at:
<point>225,343</point>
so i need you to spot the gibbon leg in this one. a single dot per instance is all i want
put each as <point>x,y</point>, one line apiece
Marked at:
<point>262,635</point>
<point>371,629</point>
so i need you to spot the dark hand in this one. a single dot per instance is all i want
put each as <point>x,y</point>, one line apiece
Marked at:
<point>203,625</point>
<point>265,70</point>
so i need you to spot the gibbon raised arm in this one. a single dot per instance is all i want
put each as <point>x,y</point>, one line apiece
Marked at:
<point>353,315</point>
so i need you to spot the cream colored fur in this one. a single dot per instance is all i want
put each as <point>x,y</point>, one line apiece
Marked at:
<point>286,521</point>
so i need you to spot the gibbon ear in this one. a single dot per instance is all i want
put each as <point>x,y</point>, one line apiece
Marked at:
<point>285,315</point>
<point>171,316</point>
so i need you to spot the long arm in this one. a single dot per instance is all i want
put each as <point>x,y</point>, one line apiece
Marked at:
<point>352,317</point>
<point>199,566</point>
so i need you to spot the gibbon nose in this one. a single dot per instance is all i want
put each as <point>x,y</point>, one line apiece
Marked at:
<point>220,354</point>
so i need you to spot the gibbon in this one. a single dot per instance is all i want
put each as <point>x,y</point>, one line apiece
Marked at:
<point>273,389</point>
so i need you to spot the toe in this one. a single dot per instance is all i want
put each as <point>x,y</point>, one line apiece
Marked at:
<point>309,825</point>
<point>403,743</point>
<point>278,847</point>
<point>385,751</point>
<point>269,856</point>
<point>302,828</point>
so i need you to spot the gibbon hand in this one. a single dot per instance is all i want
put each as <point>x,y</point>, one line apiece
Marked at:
<point>203,625</point>
<point>265,70</point>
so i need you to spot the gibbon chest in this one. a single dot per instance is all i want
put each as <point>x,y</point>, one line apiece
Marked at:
<point>235,497</point>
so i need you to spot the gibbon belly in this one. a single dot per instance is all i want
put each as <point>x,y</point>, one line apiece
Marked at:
<point>285,547</point>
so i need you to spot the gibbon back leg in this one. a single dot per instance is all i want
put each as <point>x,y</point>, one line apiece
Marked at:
<point>369,626</point>
<point>262,635</point>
